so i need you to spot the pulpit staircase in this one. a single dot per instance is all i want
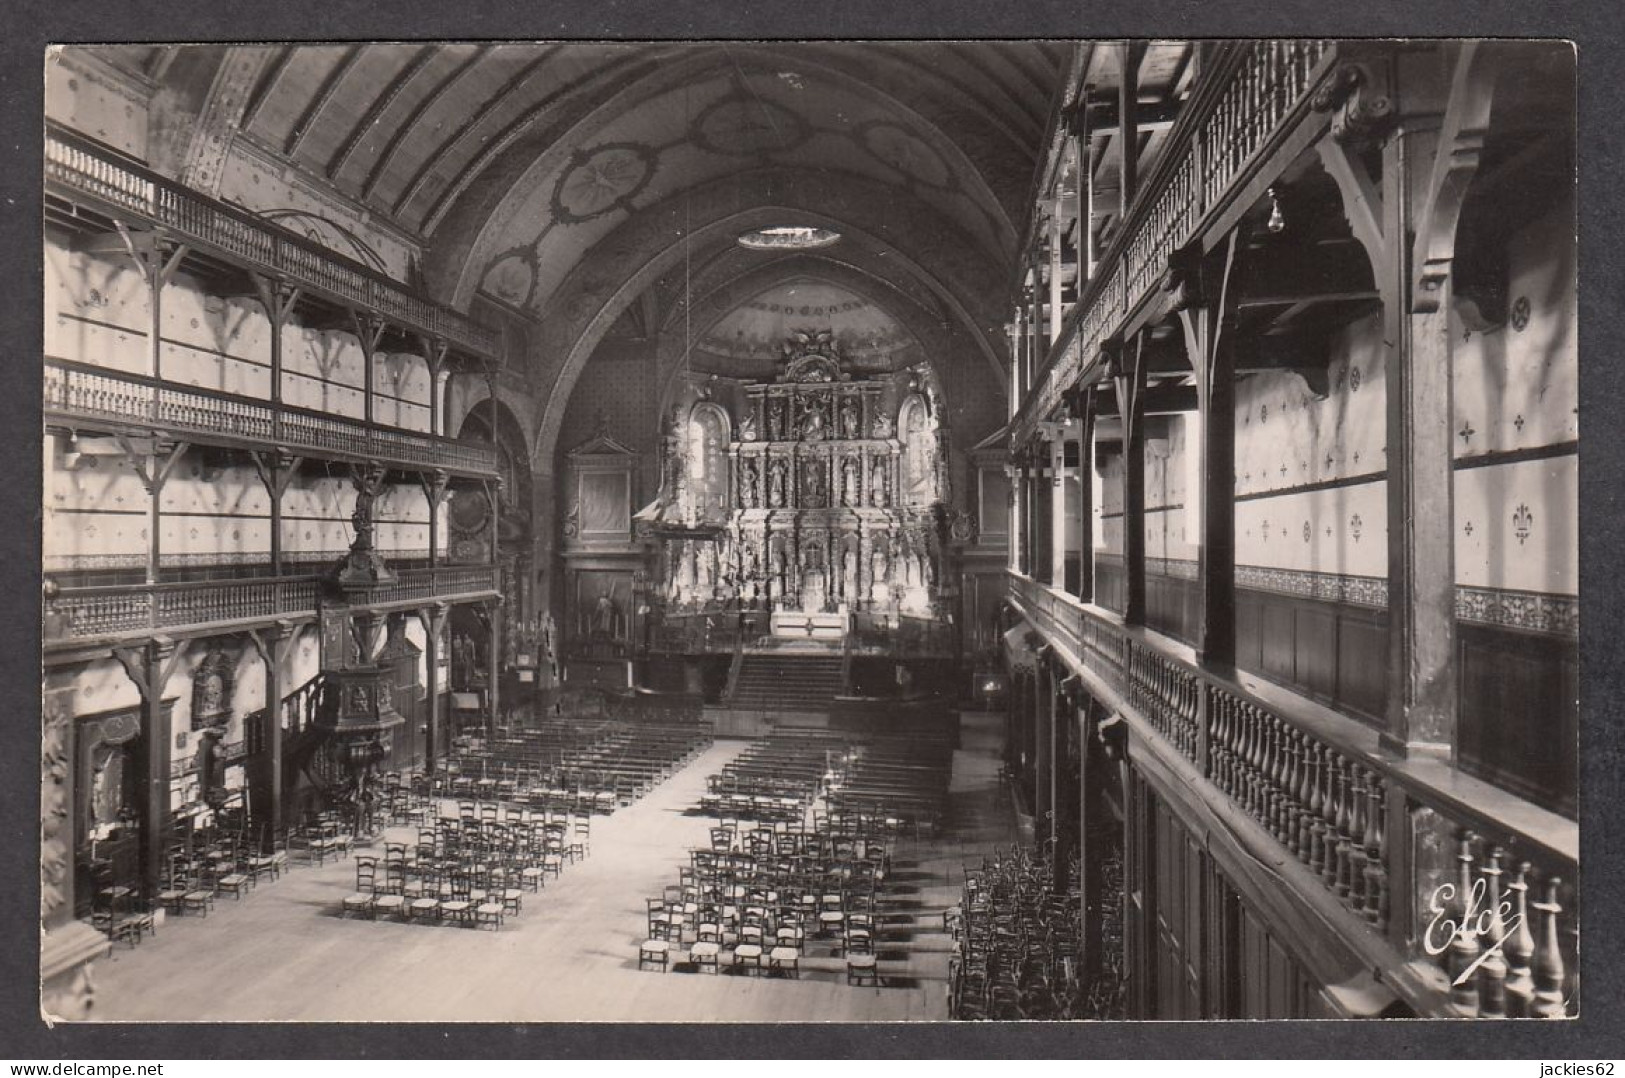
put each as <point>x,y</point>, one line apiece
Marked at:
<point>776,681</point>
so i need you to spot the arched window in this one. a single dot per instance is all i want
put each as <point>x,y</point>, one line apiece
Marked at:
<point>705,471</point>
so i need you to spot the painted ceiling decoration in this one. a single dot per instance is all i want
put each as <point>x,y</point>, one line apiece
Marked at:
<point>567,183</point>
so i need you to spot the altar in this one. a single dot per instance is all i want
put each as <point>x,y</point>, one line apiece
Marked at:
<point>798,626</point>
<point>813,497</point>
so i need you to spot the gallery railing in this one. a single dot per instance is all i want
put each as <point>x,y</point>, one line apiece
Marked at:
<point>80,168</point>
<point>84,392</point>
<point>132,610</point>
<point>1475,886</point>
<point>1252,93</point>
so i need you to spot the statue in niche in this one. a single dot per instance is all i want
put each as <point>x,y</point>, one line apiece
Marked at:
<point>849,572</point>
<point>781,568</point>
<point>775,492</point>
<point>814,422</point>
<point>877,482</point>
<point>775,419</point>
<point>849,417</point>
<point>812,484</point>
<point>747,427</point>
<point>750,474</point>
<point>750,567</point>
<point>879,568</point>
<point>705,568</point>
<point>849,483</point>
<point>882,426</point>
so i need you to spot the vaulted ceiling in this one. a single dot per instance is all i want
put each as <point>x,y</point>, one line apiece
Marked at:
<point>564,182</point>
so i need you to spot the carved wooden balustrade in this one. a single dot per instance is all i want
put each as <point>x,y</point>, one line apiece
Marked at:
<point>80,615</point>
<point>80,169</point>
<point>1468,883</point>
<point>77,392</point>
<point>1252,94</point>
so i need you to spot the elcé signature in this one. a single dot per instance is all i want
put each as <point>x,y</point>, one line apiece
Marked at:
<point>1477,921</point>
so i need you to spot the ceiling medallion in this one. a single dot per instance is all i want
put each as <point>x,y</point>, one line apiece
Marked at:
<point>788,238</point>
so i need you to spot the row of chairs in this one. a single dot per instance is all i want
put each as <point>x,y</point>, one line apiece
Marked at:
<point>1015,942</point>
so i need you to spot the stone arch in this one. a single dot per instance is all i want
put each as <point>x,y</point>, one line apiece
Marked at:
<point>909,234</point>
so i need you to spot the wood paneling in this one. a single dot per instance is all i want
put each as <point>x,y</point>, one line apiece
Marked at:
<point>1519,720</point>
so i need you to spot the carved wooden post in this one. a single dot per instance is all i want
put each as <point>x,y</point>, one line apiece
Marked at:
<point>1202,295</point>
<point>433,618</point>
<point>1126,366</point>
<point>276,470</point>
<point>274,645</point>
<point>1548,958</point>
<point>1520,948</point>
<point>149,666</point>
<point>278,298</point>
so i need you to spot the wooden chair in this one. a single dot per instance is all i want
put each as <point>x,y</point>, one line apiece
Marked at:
<point>459,909</point>
<point>862,969</point>
<point>704,954</point>
<point>656,951</point>
<point>364,898</point>
<point>489,914</point>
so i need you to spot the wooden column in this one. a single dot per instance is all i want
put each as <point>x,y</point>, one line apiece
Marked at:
<point>494,666</point>
<point>149,666</point>
<point>278,298</point>
<point>369,330</point>
<point>1406,219</point>
<point>434,492</point>
<point>1086,495</point>
<point>1043,707</point>
<point>1090,817</point>
<point>433,618</point>
<point>1128,125</point>
<point>1126,364</point>
<point>274,646</point>
<point>276,470</point>
<point>154,463</point>
<point>1055,271</point>
<point>1205,304</point>
<point>1060,511</point>
<point>434,354</point>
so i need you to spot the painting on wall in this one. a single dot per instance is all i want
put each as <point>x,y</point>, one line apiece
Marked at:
<point>602,606</point>
<point>604,505</point>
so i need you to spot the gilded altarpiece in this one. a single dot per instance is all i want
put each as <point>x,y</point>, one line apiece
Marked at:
<point>830,502</point>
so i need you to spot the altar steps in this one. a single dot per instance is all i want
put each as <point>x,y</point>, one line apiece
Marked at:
<point>786,682</point>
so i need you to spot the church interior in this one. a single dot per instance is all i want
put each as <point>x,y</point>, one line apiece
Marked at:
<point>810,531</point>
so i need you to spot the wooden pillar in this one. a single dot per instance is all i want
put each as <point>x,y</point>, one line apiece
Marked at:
<point>1406,221</point>
<point>1055,271</point>
<point>434,354</point>
<point>1043,720</point>
<point>1090,819</point>
<point>494,666</point>
<point>1127,368</point>
<point>276,470</point>
<point>278,298</point>
<point>1128,126</point>
<point>433,618</point>
<point>149,666</point>
<point>1086,495</point>
<point>1205,304</point>
<point>274,645</point>
<point>369,330</point>
<point>1060,510</point>
<point>434,492</point>
<point>154,463</point>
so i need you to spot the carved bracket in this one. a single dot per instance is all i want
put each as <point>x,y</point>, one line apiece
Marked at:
<point>1360,96</point>
<point>1461,148</point>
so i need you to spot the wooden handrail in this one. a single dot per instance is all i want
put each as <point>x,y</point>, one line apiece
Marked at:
<point>121,182</point>
<point>1321,785</point>
<point>1110,298</point>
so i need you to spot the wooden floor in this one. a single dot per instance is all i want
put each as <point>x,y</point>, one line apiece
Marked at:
<point>283,953</point>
